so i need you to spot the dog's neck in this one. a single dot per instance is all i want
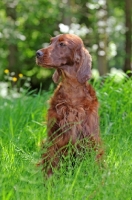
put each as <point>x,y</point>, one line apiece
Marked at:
<point>69,80</point>
<point>73,88</point>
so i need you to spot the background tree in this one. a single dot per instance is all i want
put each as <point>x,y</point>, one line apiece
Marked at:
<point>102,36</point>
<point>11,15</point>
<point>27,26</point>
<point>128,35</point>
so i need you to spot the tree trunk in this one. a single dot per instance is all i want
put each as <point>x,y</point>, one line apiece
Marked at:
<point>102,39</point>
<point>128,42</point>
<point>12,46</point>
<point>66,16</point>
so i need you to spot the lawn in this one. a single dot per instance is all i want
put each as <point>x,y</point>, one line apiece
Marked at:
<point>23,126</point>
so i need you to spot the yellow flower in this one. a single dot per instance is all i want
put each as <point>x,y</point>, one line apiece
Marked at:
<point>14,79</point>
<point>20,75</point>
<point>6,71</point>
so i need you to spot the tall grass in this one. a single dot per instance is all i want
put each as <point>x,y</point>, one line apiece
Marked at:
<point>22,127</point>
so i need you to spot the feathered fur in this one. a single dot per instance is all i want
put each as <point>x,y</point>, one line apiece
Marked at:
<point>73,113</point>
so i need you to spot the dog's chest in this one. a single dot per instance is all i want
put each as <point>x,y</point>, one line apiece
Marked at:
<point>69,109</point>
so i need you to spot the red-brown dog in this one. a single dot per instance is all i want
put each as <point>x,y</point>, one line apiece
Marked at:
<point>73,112</point>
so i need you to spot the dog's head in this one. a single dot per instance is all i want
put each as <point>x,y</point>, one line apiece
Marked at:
<point>67,54</point>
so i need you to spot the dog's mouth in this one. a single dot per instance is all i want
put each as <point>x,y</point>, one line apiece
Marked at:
<point>40,63</point>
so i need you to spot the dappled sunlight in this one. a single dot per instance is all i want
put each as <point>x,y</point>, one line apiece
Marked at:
<point>3,89</point>
<point>22,129</point>
<point>74,29</point>
<point>13,86</point>
<point>118,74</point>
<point>105,28</point>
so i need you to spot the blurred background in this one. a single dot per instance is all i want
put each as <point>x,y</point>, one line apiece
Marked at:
<point>27,25</point>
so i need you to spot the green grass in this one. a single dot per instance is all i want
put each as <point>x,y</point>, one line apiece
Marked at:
<point>22,127</point>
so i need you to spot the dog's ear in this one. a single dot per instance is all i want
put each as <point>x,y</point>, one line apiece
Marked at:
<point>56,75</point>
<point>77,55</point>
<point>84,70</point>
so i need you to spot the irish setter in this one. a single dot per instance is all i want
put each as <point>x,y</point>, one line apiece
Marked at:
<point>73,113</point>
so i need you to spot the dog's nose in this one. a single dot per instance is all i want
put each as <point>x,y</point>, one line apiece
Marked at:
<point>39,53</point>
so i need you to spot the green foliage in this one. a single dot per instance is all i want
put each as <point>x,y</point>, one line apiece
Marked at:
<point>22,128</point>
<point>26,26</point>
<point>32,27</point>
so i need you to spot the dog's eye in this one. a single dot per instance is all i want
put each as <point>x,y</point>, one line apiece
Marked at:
<point>62,44</point>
